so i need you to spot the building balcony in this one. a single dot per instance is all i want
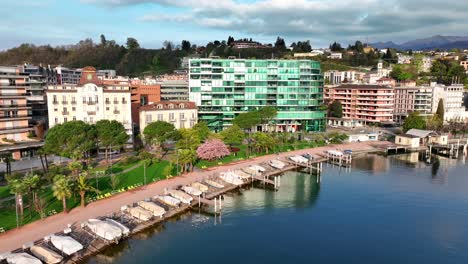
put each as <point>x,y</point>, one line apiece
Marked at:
<point>73,102</point>
<point>91,103</point>
<point>13,118</point>
<point>65,112</point>
<point>108,102</point>
<point>19,107</point>
<point>116,112</point>
<point>64,102</point>
<point>55,102</point>
<point>124,102</point>
<point>11,130</point>
<point>91,112</point>
<point>116,102</point>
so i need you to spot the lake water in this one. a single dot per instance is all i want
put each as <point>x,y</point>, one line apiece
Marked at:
<point>382,210</point>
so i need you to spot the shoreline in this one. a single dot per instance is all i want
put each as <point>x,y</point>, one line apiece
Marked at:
<point>15,238</point>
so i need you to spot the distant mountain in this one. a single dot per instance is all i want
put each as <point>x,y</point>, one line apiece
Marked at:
<point>434,42</point>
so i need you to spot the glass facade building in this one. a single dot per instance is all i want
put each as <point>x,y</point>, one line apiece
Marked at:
<point>223,88</point>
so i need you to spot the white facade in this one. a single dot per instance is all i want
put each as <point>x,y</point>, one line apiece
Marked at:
<point>180,114</point>
<point>89,103</point>
<point>336,55</point>
<point>337,77</point>
<point>452,97</point>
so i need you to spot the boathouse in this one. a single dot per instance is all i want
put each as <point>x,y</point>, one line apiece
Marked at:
<point>428,137</point>
<point>409,140</point>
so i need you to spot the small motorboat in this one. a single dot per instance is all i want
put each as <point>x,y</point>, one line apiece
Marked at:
<point>298,159</point>
<point>277,164</point>
<point>257,168</point>
<point>192,191</point>
<point>153,208</point>
<point>181,196</point>
<point>66,244</point>
<point>169,200</point>
<point>231,178</point>
<point>214,184</point>
<point>103,229</point>
<point>46,255</point>
<point>242,174</point>
<point>251,171</point>
<point>140,213</point>
<point>125,230</point>
<point>22,258</point>
<point>199,186</point>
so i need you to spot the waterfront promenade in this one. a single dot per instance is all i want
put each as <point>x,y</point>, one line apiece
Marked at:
<point>14,239</point>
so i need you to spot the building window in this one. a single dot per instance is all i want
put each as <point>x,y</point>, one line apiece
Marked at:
<point>74,118</point>
<point>148,118</point>
<point>65,119</point>
<point>73,108</point>
<point>160,106</point>
<point>56,120</point>
<point>171,116</point>
<point>181,106</point>
<point>181,116</point>
<point>171,106</point>
<point>160,117</point>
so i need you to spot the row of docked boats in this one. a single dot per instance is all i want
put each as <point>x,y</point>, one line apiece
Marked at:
<point>40,253</point>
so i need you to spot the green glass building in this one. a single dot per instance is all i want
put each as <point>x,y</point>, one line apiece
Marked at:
<point>223,88</point>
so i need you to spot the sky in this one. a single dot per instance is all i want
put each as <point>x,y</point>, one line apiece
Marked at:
<point>151,22</point>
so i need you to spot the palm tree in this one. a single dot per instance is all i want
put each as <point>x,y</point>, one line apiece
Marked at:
<point>83,186</point>
<point>32,183</point>
<point>18,188</point>
<point>62,189</point>
<point>75,167</point>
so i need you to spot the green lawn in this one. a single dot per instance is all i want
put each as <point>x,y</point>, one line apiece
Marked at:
<point>4,192</point>
<point>136,176</point>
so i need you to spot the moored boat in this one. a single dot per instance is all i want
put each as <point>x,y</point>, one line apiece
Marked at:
<point>22,258</point>
<point>169,200</point>
<point>155,209</point>
<point>231,178</point>
<point>199,186</point>
<point>140,213</point>
<point>251,171</point>
<point>46,255</point>
<point>277,164</point>
<point>181,196</point>
<point>66,244</point>
<point>298,159</point>
<point>125,230</point>
<point>257,168</point>
<point>242,174</point>
<point>192,191</point>
<point>214,184</point>
<point>103,229</point>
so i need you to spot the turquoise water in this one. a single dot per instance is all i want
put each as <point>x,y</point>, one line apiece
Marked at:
<point>382,210</point>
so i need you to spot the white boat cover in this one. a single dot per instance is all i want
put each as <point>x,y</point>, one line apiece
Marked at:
<point>191,190</point>
<point>104,230</point>
<point>299,159</point>
<point>169,200</point>
<point>214,184</point>
<point>125,230</point>
<point>22,258</point>
<point>66,244</point>
<point>251,171</point>
<point>231,178</point>
<point>257,168</point>
<point>199,186</point>
<point>140,213</point>
<point>277,164</point>
<point>335,153</point>
<point>242,174</point>
<point>183,197</point>
<point>46,255</point>
<point>152,207</point>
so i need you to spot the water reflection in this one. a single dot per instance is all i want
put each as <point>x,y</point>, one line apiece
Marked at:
<point>371,162</point>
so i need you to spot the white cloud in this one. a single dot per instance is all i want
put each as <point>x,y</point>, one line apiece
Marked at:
<point>316,19</point>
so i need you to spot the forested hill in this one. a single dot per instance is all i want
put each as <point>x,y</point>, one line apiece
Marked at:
<point>127,60</point>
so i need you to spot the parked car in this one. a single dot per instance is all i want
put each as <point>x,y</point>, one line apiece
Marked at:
<point>348,151</point>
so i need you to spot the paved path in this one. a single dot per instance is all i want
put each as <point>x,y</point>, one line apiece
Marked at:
<point>17,237</point>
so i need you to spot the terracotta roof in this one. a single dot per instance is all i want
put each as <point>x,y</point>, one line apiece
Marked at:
<point>89,68</point>
<point>166,105</point>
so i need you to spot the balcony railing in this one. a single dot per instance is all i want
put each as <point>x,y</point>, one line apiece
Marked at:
<point>64,102</point>
<point>73,102</point>
<point>91,103</point>
<point>91,112</point>
<point>65,112</point>
<point>116,112</point>
<point>55,102</point>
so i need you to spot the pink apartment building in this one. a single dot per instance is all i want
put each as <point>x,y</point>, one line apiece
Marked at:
<point>364,104</point>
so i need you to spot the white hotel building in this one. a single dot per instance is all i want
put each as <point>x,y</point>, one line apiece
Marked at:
<point>91,100</point>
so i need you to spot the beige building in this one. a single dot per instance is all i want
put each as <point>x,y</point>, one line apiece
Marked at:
<point>180,114</point>
<point>412,99</point>
<point>91,100</point>
<point>407,140</point>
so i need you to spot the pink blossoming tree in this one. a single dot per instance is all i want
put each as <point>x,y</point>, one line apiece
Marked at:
<point>212,149</point>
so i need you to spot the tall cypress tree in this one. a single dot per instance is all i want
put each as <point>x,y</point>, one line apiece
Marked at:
<point>440,110</point>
